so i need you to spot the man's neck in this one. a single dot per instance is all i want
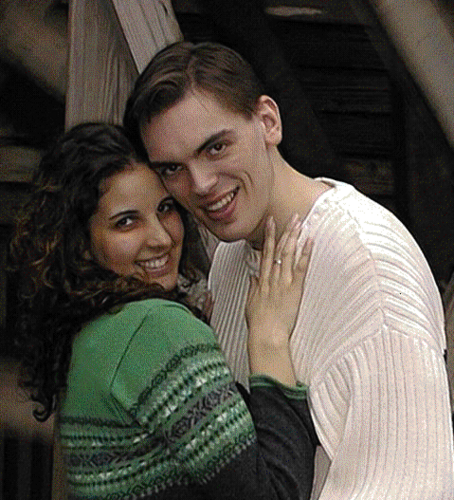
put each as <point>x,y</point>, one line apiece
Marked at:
<point>294,193</point>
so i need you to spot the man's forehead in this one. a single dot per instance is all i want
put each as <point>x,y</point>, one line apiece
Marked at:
<point>191,123</point>
<point>203,103</point>
<point>191,145</point>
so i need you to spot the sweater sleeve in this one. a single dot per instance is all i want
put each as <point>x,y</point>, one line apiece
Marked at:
<point>174,381</point>
<point>369,342</point>
<point>379,390</point>
<point>394,444</point>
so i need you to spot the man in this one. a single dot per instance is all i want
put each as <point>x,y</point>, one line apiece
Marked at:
<point>369,340</point>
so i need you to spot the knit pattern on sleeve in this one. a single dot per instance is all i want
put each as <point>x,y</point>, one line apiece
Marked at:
<point>147,415</point>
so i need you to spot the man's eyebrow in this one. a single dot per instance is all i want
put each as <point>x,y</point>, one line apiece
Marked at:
<point>213,138</point>
<point>159,164</point>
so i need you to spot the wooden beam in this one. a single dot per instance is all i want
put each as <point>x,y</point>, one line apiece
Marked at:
<point>101,72</point>
<point>425,42</point>
<point>33,39</point>
<point>336,11</point>
<point>148,26</point>
<point>110,43</point>
<point>311,10</point>
<point>18,163</point>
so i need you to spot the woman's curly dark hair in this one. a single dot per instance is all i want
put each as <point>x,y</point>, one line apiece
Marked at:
<point>60,287</point>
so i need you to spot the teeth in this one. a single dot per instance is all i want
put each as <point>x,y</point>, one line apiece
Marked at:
<point>154,263</point>
<point>222,203</point>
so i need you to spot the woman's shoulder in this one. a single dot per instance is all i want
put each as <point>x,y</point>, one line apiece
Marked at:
<point>146,307</point>
<point>137,336</point>
<point>136,320</point>
<point>134,312</point>
<point>121,323</point>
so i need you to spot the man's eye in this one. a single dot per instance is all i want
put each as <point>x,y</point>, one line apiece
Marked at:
<point>169,170</point>
<point>216,148</point>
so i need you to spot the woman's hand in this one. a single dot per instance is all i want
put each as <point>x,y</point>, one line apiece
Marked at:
<point>273,302</point>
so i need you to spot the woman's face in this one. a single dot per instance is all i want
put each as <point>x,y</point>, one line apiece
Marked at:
<point>137,229</point>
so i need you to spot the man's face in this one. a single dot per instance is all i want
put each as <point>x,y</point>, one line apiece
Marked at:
<point>216,163</point>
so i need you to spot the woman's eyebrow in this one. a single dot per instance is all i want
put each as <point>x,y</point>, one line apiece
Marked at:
<point>122,213</point>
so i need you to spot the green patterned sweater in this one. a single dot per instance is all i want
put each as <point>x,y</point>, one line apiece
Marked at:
<point>151,411</point>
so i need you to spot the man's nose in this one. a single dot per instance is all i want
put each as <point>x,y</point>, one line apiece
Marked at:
<point>203,179</point>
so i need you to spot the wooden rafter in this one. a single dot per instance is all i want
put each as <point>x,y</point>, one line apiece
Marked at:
<point>33,39</point>
<point>110,43</point>
<point>424,39</point>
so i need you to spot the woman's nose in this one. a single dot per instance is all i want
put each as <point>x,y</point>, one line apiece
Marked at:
<point>157,234</point>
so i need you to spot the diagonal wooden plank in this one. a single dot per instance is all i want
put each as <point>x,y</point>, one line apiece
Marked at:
<point>110,43</point>
<point>424,39</point>
<point>148,26</point>
<point>100,70</point>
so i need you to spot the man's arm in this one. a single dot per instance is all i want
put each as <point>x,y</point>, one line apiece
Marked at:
<point>393,434</point>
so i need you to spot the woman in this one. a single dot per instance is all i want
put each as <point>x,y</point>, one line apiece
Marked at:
<point>146,405</point>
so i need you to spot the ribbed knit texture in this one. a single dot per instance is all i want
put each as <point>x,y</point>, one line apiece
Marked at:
<point>369,342</point>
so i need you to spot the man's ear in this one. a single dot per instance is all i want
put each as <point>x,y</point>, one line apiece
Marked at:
<point>87,255</point>
<point>267,111</point>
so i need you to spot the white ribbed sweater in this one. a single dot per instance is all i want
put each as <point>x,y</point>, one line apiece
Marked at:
<point>369,342</point>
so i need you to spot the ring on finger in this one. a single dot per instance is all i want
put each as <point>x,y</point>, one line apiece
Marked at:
<point>278,261</point>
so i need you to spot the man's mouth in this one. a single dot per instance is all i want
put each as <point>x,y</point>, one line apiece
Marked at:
<point>223,202</point>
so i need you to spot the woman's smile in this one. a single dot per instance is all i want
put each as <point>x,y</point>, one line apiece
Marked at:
<point>137,230</point>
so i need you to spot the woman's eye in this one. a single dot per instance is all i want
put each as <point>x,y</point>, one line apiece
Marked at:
<point>124,222</point>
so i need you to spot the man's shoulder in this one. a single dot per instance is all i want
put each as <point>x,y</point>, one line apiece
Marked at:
<point>345,207</point>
